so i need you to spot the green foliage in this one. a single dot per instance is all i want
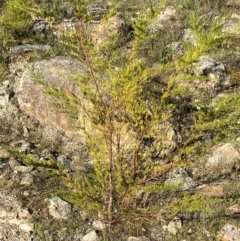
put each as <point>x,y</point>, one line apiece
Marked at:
<point>116,118</point>
<point>191,204</point>
<point>208,39</point>
<point>14,21</point>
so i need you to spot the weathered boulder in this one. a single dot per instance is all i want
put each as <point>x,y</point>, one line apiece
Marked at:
<point>31,91</point>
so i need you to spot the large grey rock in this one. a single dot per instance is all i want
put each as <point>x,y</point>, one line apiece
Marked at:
<point>31,91</point>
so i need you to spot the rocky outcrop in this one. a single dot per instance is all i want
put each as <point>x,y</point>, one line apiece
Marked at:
<point>32,87</point>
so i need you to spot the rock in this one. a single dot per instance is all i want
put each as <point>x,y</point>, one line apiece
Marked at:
<point>90,236</point>
<point>180,178</point>
<point>59,209</point>
<point>223,156</point>
<point>67,10</point>
<point>211,190</point>
<point>174,226</point>
<point>27,180</point>
<point>23,169</point>
<point>5,94</point>
<point>177,48</point>
<point>143,238</point>
<point>229,233</point>
<point>13,163</point>
<point>36,103</point>
<point>96,11</point>
<point>65,27</point>
<point>4,154</point>
<point>230,26</point>
<point>233,3</point>
<point>23,213</point>
<point>106,29</point>
<point>98,225</point>
<point>64,161</point>
<point>208,66</point>
<point>23,146</point>
<point>233,210</point>
<point>41,27</point>
<point>167,15</point>
<point>190,36</point>
<point>24,48</point>
<point>14,219</point>
<point>26,227</point>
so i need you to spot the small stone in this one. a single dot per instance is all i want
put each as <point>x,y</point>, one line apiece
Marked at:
<point>23,169</point>
<point>211,190</point>
<point>27,180</point>
<point>4,154</point>
<point>143,238</point>
<point>180,178</point>
<point>26,193</point>
<point>190,36</point>
<point>13,163</point>
<point>234,209</point>
<point>59,209</point>
<point>174,226</point>
<point>3,213</point>
<point>64,161</point>
<point>91,236</point>
<point>98,225</point>
<point>23,213</point>
<point>27,227</point>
